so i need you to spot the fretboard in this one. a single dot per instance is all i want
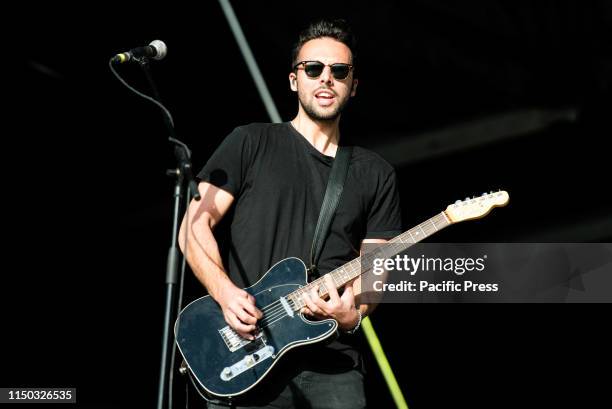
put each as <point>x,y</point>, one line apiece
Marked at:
<point>353,269</point>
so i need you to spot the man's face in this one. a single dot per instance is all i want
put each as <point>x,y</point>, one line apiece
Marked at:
<point>324,97</point>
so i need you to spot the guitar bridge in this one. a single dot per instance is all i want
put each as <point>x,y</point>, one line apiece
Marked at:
<point>234,341</point>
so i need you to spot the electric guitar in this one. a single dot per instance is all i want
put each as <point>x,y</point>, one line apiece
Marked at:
<point>223,364</point>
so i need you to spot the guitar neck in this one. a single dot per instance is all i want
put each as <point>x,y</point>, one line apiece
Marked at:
<point>353,269</point>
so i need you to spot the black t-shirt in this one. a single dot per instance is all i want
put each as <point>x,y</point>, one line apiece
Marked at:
<point>278,181</point>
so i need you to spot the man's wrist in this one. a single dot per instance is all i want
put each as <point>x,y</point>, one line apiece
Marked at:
<point>356,326</point>
<point>217,290</point>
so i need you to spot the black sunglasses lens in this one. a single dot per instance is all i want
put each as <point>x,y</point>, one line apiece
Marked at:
<point>340,71</point>
<point>313,69</point>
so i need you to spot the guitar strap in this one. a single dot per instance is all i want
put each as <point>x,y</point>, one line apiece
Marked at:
<point>333,192</point>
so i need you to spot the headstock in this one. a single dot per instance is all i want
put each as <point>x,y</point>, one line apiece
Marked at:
<point>476,207</point>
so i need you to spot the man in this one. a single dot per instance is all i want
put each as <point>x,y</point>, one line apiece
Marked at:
<point>273,179</point>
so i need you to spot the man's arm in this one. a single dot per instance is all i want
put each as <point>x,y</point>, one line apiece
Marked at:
<point>198,243</point>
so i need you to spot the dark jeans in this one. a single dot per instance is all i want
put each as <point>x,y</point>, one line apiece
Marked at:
<point>310,390</point>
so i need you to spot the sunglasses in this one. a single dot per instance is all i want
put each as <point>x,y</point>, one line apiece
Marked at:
<point>314,68</point>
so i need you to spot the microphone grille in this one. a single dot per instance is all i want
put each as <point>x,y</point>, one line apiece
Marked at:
<point>161,48</point>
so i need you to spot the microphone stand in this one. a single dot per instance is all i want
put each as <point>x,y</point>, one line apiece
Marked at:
<point>182,173</point>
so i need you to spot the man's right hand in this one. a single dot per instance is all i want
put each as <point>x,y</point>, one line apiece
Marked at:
<point>239,309</point>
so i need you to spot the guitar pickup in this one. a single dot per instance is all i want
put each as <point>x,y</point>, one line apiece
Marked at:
<point>249,361</point>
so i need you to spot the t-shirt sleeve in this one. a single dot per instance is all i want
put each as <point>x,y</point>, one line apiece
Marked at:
<point>385,217</point>
<point>227,167</point>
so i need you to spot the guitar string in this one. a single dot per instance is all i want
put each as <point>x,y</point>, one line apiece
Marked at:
<point>274,319</point>
<point>289,300</point>
<point>278,314</point>
<point>276,311</point>
<point>276,303</point>
<point>277,317</point>
<point>281,313</point>
<point>272,314</point>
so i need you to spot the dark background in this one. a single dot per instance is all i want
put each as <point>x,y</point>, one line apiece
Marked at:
<point>519,92</point>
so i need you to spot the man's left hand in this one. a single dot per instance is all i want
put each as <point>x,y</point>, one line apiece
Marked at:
<point>340,308</point>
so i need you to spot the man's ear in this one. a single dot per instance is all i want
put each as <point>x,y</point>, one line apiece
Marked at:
<point>293,82</point>
<point>354,88</point>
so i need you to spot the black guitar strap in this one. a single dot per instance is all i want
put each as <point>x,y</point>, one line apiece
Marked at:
<point>333,192</point>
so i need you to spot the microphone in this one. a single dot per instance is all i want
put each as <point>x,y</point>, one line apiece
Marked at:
<point>156,49</point>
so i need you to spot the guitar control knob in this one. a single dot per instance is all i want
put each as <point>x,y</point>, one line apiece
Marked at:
<point>249,360</point>
<point>227,372</point>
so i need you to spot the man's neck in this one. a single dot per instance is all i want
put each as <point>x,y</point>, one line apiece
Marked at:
<point>323,135</point>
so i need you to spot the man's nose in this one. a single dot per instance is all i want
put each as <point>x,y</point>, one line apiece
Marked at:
<point>326,75</point>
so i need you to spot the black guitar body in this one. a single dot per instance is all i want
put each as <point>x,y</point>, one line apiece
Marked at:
<point>222,363</point>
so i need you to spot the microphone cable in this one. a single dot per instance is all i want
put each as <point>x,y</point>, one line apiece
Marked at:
<point>134,90</point>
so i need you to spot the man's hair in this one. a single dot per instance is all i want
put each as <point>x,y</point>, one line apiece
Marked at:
<point>337,29</point>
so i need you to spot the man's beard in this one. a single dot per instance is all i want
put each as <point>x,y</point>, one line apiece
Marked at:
<point>329,116</point>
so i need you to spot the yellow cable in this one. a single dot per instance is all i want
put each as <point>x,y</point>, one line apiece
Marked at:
<point>383,363</point>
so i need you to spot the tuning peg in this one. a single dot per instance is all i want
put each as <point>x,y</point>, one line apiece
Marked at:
<point>458,202</point>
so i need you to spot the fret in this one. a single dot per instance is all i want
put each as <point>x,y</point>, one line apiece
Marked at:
<point>297,299</point>
<point>355,268</point>
<point>350,271</point>
<point>299,303</point>
<point>421,227</point>
<point>383,250</point>
<point>399,247</point>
